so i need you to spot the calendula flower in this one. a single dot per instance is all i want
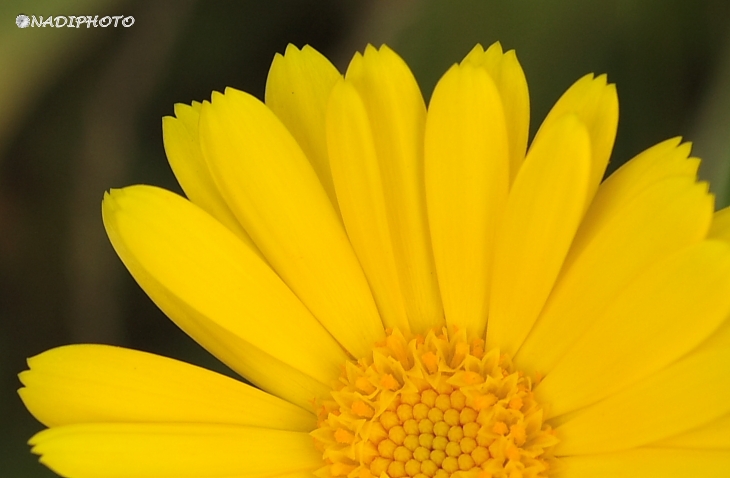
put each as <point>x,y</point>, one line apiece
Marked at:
<point>413,291</point>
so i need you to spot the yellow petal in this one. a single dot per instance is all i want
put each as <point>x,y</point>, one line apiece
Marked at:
<point>690,393</point>
<point>174,451</point>
<point>720,228</point>
<point>182,146</point>
<point>663,219</point>
<point>219,292</point>
<point>542,214</point>
<point>721,338</point>
<point>714,435</point>
<point>510,80</point>
<point>467,177</point>
<point>100,383</point>
<point>297,91</point>
<point>648,463</point>
<point>660,317</point>
<point>664,160</point>
<point>397,117</point>
<point>276,195</point>
<point>360,193</point>
<point>596,104</point>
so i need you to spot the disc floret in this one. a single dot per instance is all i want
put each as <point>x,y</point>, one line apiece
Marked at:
<point>433,406</point>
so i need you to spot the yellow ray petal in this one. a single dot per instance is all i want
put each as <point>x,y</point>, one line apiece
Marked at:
<point>467,177</point>
<point>174,451</point>
<point>297,91</point>
<point>596,104</point>
<point>182,146</point>
<point>360,193</point>
<point>663,219</point>
<point>664,160</point>
<point>219,292</point>
<point>397,118</point>
<point>542,214</point>
<point>648,463</point>
<point>510,80</point>
<point>100,383</point>
<point>661,316</point>
<point>276,195</point>
<point>721,337</point>
<point>690,393</point>
<point>720,228</point>
<point>712,436</point>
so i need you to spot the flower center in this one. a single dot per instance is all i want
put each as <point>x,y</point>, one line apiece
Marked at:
<point>433,406</point>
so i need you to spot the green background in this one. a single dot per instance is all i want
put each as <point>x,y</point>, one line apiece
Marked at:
<point>80,113</point>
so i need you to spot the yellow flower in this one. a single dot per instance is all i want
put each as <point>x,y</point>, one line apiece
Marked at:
<point>415,292</point>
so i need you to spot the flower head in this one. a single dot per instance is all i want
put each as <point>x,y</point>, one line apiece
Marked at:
<point>414,291</point>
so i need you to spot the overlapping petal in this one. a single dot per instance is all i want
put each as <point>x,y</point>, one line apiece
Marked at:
<point>664,218</point>
<point>664,314</point>
<point>595,102</point>
<point>221,293</point>
<point>688,394</point>
<point>297,91</point>
<point>508,77</point>
<point>712,436</point>
<point>184,450</point>
<point>275,193</point>
<point>665,160</point>
<point>181,138</point>
<point>543,212</point>
<point>648,463</point>
<point>720,228</point>
<point>357,180</point>
<point>397,117</point>
<point>104,384</point>
<point>467,178</point>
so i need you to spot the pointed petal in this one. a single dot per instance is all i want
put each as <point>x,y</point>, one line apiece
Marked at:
<point>297,91</point>
<point>182,147</point>
<point>661,316</point>
<point>397,118</point>
<point>359,189</point>
<point>663,219</point>
<point>543,212</point>
<point>648,463</point>
<point>596,105</point>
<point>174,451</point>
<point>100,383</point>
<point>467,177</point>
<point>690,393</point>
<point>219,292</point>
<point>720,228</point>
<point>276,195</point>
<point>507,74</point>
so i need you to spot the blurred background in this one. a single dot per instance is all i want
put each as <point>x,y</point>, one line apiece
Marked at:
<point>81,109</point>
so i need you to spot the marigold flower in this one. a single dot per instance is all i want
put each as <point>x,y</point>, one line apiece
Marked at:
<point>414,292</point>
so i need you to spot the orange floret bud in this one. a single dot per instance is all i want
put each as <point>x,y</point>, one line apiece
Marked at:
<point>389,382</point>
<point>430,360</point>
<point>343,436</point>
<point>361,409</point>
<point>500,428</point>
<point>484,401</point>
